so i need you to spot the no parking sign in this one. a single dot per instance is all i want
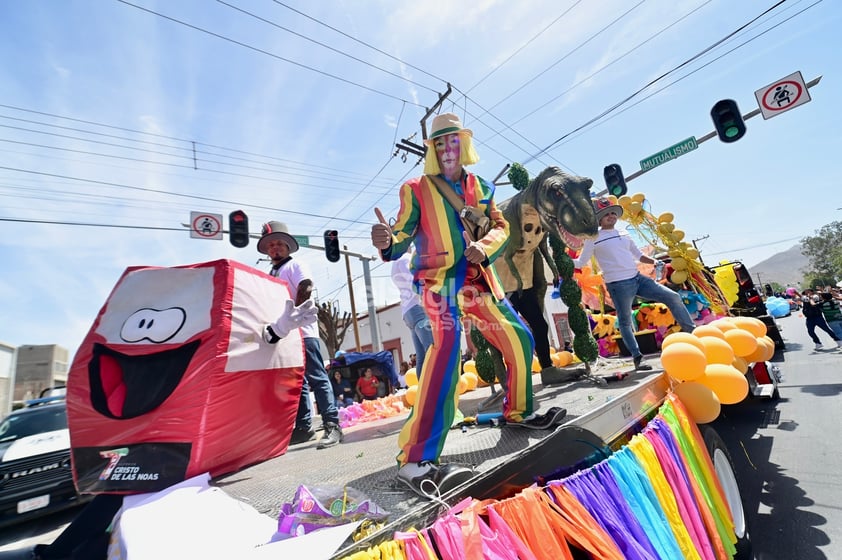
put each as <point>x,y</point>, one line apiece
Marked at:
<point>782,95</point>
<point>205,226</point>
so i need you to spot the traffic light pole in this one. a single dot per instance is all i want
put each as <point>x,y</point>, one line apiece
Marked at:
<point>705,138</point>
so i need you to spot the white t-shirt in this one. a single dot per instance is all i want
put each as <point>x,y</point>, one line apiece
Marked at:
<point>292,272</point>
<point>402,278</point>
<point>616,254</point>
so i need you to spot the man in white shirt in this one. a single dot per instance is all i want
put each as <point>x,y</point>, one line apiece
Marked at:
<point>617,257</point>
<point>411,309</point>
<point>279,245</point>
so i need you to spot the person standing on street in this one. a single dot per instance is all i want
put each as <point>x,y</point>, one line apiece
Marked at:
<point>812,310</point>
<point>617,256</point>
<point>832,312</point>
<point>411,309</point>
<point>279,246</point>
<point>451,269</point>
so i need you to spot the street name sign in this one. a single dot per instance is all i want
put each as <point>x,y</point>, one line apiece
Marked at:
<point>782,95</point>
<point>303,240</point>
<point>669,154</point>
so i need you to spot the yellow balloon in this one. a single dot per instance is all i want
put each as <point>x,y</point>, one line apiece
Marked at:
<point>759,353</point>
<point>677,234</point>
<point>682,337</point>
<point>679,263</point>
<point>692,253</point>
<point>410,395</point>
<point>740,364</point>
<point>613,199</point>
<point>470,366</point>
<point>743,342</point>
<point>638,197</point>
<point>701,403</point>
<point>624,202</point>
<point>472,379</point>
<point>683,361</point>
<point>666,217</point>
<point>729,384</point>
<point>666,227</point>
<point>708,330</point>
<point>536,365</point>
<point>717,351</point>
<point>411,377</point>
<point>770,347</point>
<point>678,277</point>
<point>635,208</point>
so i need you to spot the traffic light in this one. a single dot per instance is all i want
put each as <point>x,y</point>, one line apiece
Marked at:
<point>238,229</point>
<point>728,120</point>
<point>332,245</point>
<point>614,180</point>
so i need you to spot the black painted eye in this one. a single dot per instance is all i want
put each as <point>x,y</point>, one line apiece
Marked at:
<point>527,228</point>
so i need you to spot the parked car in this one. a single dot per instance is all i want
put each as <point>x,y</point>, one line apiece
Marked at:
<point>35,474</point>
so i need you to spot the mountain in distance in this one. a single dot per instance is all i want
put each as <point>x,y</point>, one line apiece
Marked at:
<point>785,268</point>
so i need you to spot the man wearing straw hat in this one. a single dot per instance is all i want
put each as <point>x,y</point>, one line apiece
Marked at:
<point>280,245</point>
<point>451,217</point>
<point>617,256</point>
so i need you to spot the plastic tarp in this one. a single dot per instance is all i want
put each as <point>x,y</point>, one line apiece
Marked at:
<point>174,378</point>
<point>378,360</point>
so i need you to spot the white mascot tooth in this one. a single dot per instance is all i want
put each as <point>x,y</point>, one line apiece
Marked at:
<point>153,325</point>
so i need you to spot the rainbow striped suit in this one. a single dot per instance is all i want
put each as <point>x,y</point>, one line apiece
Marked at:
<point>450,290</point>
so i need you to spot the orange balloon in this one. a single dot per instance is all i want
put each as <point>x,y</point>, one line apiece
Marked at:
<point>536,365</point>
<point>683,361</point>
<point>758,354</point>
<point>743,342</point>
<point>469,366</point>
<point>472,379</point>
<point>565,358</point>
<point>410,396</point>
<point>463,385</point>
<point>682,337</point>
<point>717,351</point>
<point>751,324</point>
<point>708,330</point>
<point>740,364</point>
<point>724,324</point>
<point>729,384</point>
<point>701,403</point>
<point>771,347</point>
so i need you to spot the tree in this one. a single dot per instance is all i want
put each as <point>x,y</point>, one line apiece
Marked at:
<point>332,328</point>
<point>825,253</point>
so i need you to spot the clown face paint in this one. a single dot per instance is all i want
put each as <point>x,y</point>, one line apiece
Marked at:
<point>448,151</point>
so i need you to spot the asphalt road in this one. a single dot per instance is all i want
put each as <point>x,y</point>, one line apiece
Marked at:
<point>787,454</point>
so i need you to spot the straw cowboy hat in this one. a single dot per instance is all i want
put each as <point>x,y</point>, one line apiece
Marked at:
<point>604,205</point>
<point>447,123</point>
<point>276,231</point>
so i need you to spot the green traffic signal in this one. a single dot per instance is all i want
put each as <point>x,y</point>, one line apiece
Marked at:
<point>728,120</point>
<point>614,181</point>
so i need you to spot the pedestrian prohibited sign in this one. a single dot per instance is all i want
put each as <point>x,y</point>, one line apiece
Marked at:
<point>205,226</point>
<point>782,95</point>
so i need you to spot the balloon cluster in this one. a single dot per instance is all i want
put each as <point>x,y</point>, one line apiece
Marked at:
<point>468,381</point>
<point>660,231</point>
<point>709,365</point>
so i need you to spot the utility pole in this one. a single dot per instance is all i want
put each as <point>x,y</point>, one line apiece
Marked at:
<point>417,149</point>
<point>702,238</point>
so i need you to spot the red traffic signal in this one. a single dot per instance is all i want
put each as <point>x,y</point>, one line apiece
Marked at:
<point>728,120</point>
<point>238,229</point>
<point>332,245</point>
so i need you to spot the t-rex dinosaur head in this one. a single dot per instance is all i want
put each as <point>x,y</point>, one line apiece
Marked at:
<point>564,204</point>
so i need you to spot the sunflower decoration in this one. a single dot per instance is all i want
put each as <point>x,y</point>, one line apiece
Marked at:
<point>641,316</point>
<point>660,315</point>
<point>604,325</point>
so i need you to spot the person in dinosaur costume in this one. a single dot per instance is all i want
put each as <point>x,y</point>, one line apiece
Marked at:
<point>554,202</point>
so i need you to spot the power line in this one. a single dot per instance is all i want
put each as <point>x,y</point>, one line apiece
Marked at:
<point>265,52</point>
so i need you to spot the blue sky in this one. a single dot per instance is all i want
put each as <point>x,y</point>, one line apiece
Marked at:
<point>113,115</point>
